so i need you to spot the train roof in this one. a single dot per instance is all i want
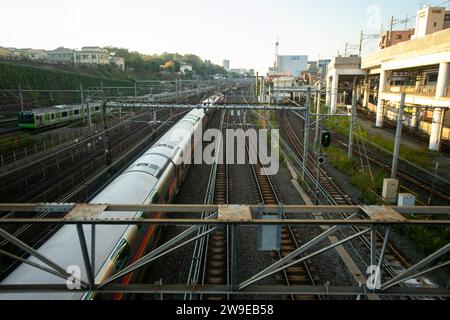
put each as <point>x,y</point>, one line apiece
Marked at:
<point>135,185</point>
<point>62,107</point>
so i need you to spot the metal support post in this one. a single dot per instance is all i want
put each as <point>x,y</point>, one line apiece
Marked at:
<point>352,122</point>
<point>21,98</point>
<point>373,246</point>
<point>306,133</point>
<point>398,136</point>
<point>318,118</point>
<point>234,240</point>
<point>84,251</point>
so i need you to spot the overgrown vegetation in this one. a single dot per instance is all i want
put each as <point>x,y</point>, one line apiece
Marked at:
<point>148,67</point>
<point>425,238</point>
<point>428,239</point>
<point>369,186</point>
<point>419,156</point>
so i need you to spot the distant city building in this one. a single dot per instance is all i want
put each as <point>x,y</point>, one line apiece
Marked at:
<point>118,62</point>
<point>61,55</point>
<point>243,72</point>
<point>312,64</point>
<point>323,66</point>
<point>226,64</point>
<point>295,64</point>
<point>92,55</point>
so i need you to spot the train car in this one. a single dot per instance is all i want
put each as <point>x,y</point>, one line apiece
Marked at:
<point>52,116</point>
<point>153,178</point>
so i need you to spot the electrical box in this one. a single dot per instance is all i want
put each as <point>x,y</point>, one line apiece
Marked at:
<point>390,190</point>
<point>269,237</point>
<point>406,200</point>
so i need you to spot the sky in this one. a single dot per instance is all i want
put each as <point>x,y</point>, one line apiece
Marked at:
<point>242,31</point>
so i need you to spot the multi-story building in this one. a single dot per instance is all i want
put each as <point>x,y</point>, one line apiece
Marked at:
<point>430,20</point>
<point>421,69</point>
<point>92,55</point>
<point>226,64</point>
<point>392,38</point>
<point>342,72</point>
<point>119,62</point>
<point>61,55</point>
<point>295,64</point>
<point>323,66</point>
<point>185,68</point>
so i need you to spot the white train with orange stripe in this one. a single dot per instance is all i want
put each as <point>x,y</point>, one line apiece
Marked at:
<point>153,178</point>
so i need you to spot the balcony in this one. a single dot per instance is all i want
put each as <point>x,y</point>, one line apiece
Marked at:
<point>425,91</point>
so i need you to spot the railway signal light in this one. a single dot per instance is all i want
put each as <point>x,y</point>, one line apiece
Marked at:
<point>326,139</point>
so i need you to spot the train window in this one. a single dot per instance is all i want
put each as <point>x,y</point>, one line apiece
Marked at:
<point>64,114</point>
<point>76,112</point>
<point>52,115</point>
<point>121,254</point>
<point>156,198</point>
<point>26,117</point>
<point>97,108</point>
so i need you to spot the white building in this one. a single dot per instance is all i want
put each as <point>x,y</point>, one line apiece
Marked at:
<point>226,65</point>
<point>92,55</point>
<point>295,64</point>
<point>430,20</point>
<point>61,55</point>
<point>118,62</point>
<point>185,68</point>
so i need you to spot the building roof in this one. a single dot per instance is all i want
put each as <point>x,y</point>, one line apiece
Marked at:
<point>431,44</point>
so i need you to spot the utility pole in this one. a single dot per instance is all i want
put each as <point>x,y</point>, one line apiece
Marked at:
<point>306,133</point>
<point>318,116</point>
<point>398,136</point>
<point>360,43</point>
<point>21,98</point>
<point>390,31</point>
<point>352,122</point>
<point>106,139</point>
<point>88,109</point>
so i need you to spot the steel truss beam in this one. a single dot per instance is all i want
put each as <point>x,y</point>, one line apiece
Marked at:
<point>371,217</point>
<point>144,104</point>
<point>223,290</point>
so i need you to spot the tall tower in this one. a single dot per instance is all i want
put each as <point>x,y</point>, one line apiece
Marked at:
<point>277,51</point>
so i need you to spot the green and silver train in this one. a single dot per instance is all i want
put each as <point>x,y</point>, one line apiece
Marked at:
<point>53,116</point>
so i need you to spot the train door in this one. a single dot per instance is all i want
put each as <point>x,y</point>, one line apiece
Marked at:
<point>40,122</point>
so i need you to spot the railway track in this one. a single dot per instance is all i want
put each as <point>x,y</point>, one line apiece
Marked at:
<point>267,193</point>
<point>394,261</point>
<point>411,177</point>
<point>217,264</point>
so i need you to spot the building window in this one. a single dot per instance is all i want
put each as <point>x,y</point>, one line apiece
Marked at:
<point>94,56</point>
<point>399,37</point>
<point>435,24</point>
